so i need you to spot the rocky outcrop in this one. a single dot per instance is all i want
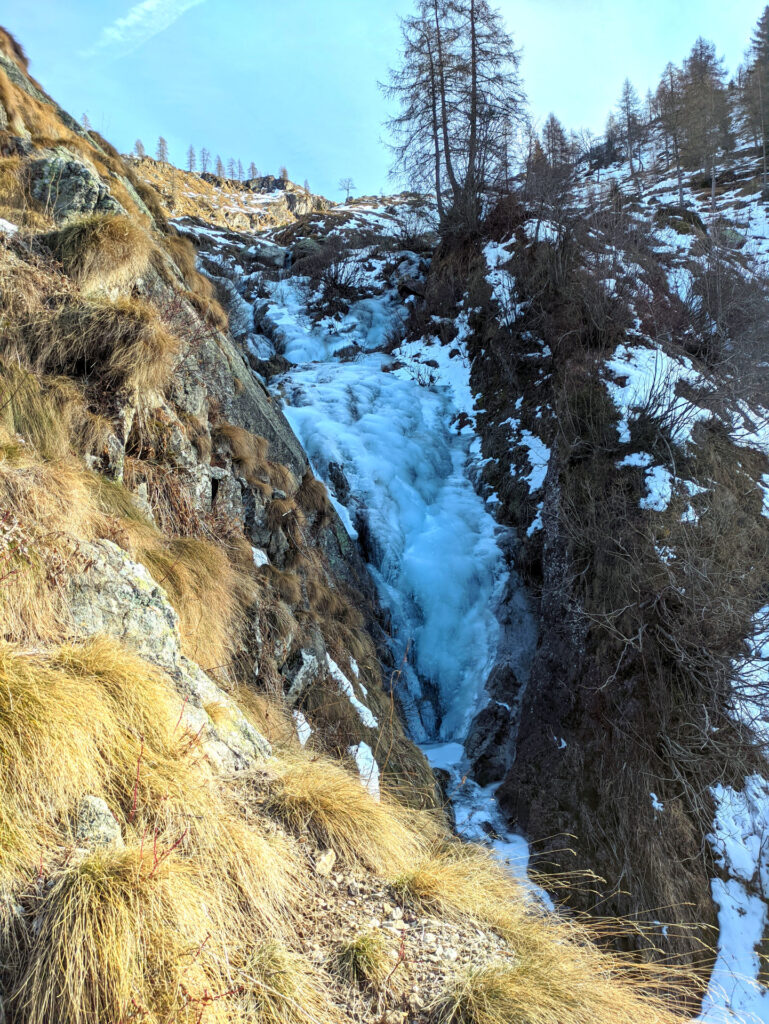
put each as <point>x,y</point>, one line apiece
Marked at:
<point>229,203</point>
<point>68,188</point>
<point>117,597</point>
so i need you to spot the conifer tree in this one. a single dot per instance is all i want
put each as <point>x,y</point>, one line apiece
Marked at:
<point>612,137</point>
<point>191,159</point>
<point>220,171</point>
<point>231,168</point>
<point>240,171</point>
<point>753,90</point>
<point>671,112</point>
<point>252,170</point>
<point>161,153</point>
<point>139,149</point>
<point>707,127</point>
<point>205,160</point>
<point>283,173</point>
<point>554,143</point>
<point>629,112</point>
<point>86,123</point>
<point>460,98</point>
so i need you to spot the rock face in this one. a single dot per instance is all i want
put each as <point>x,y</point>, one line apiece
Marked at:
<point>69,188</point>
<point>118,597</point>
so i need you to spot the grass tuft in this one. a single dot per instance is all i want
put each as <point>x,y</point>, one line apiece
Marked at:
<point>364,960</point>
<point>316,794</point>
<point>286,989</point>
<point>101,251</point>
<point>117,344</point>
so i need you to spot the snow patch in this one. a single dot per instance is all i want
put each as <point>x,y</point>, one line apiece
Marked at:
<point>368,769</point>
<point>346,687</point>
<point>303,727</point>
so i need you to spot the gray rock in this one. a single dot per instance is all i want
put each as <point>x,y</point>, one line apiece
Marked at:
<point>486,745</point>
<point>96,824</point>
<point>117,597</point>
<point>268,252</point>
<point>727,235</point>
<point>69,188</point>
<point>306,248</point>
<point>324,863</point>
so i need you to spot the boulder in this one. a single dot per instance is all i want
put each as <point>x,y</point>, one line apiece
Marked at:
<point>69,188</point>
<point>96,824</point>
<point>268,252</point>
<point>306,248</point>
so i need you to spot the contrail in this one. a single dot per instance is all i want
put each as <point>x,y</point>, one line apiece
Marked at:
<point>142,22</point>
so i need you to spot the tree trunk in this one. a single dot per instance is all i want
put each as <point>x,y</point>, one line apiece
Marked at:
<point>471,182</point>
<point>436,139</point>
<point>444,111</point>
<point>678,172</point>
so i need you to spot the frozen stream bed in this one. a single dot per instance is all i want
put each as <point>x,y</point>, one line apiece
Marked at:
<point>400,472</point>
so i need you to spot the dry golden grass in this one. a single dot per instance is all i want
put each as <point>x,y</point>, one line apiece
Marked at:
<point>249,451</point>
<point>559,987</point>
<point>121,344</point>
<point>267,713</point>
<point>50,414</point>
<point>312,496</point>
<point>185,256</point>
<point>117,936</point>
<point>208,592</point>
<point>559,971</point>
<point>102,252</point>
<point>11,191</point>
<point>176,914</point>
<point>287,989</point>
<point>317,794</point>
<point>199,289</point>
<point>54,752</point>
<point>209,309</point>
<point>286,585</point>
<point>151,199</point>
<point>131,748</point>
<point>281,477</point>
<point>364,960</point>
<point>46,514</point>
<point>16,204</point>
<point>54,504</point>
<point>209,588</point>
<point>12,48</point>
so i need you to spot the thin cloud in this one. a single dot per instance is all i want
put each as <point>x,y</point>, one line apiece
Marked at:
<point>142,22</point>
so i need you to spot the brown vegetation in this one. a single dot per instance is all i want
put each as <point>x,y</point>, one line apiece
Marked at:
<point>102,252</point>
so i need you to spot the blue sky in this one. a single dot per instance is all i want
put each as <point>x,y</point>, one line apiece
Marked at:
<point>294,82</point>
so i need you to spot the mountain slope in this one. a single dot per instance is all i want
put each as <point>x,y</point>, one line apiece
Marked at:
<point>209,807</point>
